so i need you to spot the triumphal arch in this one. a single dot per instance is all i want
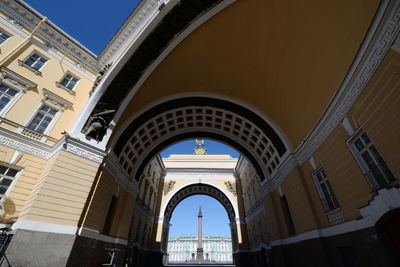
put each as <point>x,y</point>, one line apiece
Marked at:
<point>306,91</point>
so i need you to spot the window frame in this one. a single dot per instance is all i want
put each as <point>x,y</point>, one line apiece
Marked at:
<point>16,82</point>
<point>373,181</point>
<point>36,110</point>
<point>13,100</point>
<point>51,123</point>
<point>6,33</point>
<point>60,85</point>
<point>14,180</point>
<point>53,101</point>
<point>321,171</point>
<point>36,71</point>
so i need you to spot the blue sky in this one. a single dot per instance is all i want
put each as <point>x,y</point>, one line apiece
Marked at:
<point>186,147</point>
<point>185,222</point>
<point>92,23</point>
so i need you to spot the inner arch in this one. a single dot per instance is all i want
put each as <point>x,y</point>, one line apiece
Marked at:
<point>200,117</point>
<point>202,189</point>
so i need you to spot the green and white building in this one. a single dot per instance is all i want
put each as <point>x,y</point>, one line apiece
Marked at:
<point>216,249</point>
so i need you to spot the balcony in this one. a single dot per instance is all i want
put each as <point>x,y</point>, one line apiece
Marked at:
<point>18,128</point>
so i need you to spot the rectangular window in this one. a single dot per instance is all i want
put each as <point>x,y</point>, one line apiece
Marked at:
<point>7,176</point>
<point>35,61</point>
<point>3,36</point>
<point>6,95</point>
<point>69,81</point>
<point>371,162</point>
<point>325,191</point>
<point>42,119</point>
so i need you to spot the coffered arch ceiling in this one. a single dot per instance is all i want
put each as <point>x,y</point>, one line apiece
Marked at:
<point>200,117</point>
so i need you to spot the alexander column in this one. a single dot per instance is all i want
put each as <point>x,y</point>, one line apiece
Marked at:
<point>200,257</point>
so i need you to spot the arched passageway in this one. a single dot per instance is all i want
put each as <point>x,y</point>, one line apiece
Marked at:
<point>199,216</point>
<point>307,92</point>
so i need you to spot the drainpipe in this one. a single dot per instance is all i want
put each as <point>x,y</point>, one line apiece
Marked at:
<point>24,42</point>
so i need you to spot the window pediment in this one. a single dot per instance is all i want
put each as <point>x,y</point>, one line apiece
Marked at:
<point>12,79</point>
<point>55,100</point>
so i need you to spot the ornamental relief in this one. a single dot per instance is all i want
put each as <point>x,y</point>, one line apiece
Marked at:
<point>168,187</point>
<point>231,186</point>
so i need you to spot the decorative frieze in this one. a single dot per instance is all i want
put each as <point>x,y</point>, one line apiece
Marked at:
<point>36,148</point>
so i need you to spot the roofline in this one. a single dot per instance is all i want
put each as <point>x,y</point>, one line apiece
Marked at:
<point>40,16</point>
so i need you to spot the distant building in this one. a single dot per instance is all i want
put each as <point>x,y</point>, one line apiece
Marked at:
<point>216,249</point>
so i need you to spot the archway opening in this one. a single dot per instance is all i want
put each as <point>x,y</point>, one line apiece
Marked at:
<point>191,229</point>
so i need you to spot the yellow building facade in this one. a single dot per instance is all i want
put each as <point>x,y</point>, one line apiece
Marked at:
<point>307,92</point>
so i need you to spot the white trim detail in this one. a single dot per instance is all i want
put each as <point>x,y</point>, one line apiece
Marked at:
<point>347,126</point>
<point>312,162</point>
<point>36,148</point>
<point>44,227</point>
<point>396,44</point>
<point>55,99</point>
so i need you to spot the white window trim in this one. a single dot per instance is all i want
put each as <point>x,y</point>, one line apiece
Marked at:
<point>37,72</point>
<point>16,82</point>
<point>319,190</point>
<point>71,91</point>
<point>363,166</point>
<point>10,188</point>
<point>53,101</point>
<point>8,33</point>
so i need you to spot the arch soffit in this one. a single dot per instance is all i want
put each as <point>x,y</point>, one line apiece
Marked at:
<point>125,124</point>
<point>192,15</point>
<point>204,188</point>
<point>188,117</point>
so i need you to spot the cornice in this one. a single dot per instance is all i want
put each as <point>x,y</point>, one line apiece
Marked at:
<point>134,25</point>
<point>22,14</point>
<point>24,144</point>
<point>382,34</point>
<point>36,148</point>
<point>79,148</point>
<point>199,170</point>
